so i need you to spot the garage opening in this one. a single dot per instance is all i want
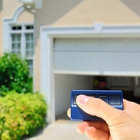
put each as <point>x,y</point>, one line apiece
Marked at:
<point>64,83</point>
<point>77,60</point>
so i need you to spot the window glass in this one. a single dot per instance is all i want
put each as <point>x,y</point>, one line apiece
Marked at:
<point>30,65</point>
<point>17,43</point>
<point>16,27</point>
<point>29,27</point>
<point>29,45</point>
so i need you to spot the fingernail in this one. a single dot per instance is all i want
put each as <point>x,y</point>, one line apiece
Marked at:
<point>82,99</point>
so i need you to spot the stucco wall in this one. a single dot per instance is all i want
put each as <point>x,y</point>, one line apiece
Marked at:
<point>1,27</point>
<point>7,11</point>
<point>9,7</point>
<point>83,13</point>
<point>86,12</point>
<point>26,17</point>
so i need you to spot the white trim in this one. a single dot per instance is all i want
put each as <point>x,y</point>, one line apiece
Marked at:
<point>23,31</point>
<point>7,23</point>
<point>6,31</point>
<point>76,73</point>
<point>47,83</point>
<point>46,53</point>
<point>125,31</point>
<point>129,74</point>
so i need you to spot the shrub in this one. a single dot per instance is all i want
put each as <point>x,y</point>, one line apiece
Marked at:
<point>14,74</point>
<point>21,115</point>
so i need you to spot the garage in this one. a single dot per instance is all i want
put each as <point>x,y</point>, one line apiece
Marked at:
<point>103,56</point>
<point>87,57</point>
<point>74,56</point>
<point>64,83</point>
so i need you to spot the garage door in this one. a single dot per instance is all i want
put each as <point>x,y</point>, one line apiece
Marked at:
<point>103,56</point>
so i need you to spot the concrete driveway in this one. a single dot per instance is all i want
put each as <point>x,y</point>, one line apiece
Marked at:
<point>59,130</point>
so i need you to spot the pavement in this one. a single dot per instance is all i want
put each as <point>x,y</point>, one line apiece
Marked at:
<point>62,129</point>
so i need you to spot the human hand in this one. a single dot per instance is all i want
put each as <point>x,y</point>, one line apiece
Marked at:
<point>118,125</point>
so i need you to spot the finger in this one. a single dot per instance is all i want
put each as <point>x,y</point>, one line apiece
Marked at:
<point>132,109</point>
<point>68,113</point>
<point>98,125</point>
<point>128,104</point>
<point>97,107</point>
<point>95,134</point>
<point>81,127</point>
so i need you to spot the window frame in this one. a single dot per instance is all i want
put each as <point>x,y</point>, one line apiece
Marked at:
<point>23,33</point>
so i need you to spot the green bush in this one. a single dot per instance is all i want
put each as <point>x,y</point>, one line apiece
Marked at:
<point>21,115</point>
<point>14,74</point>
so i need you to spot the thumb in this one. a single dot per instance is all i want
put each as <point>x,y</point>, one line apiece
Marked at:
<point>97,107</point>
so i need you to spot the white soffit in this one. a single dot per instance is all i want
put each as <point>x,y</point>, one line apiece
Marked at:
<point>98,29</point>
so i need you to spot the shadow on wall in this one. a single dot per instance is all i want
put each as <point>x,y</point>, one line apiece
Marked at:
<point>52,11</point>
<point>133,5</point>
<point>1,1</point>
<point>55,9</point>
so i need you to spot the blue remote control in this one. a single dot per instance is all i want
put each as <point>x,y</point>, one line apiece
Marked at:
<point>111,97</point>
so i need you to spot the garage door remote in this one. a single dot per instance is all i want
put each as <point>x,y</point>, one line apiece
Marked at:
<point>112,97</point>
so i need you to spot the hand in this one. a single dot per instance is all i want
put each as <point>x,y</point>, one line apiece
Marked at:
<point>118,125</point>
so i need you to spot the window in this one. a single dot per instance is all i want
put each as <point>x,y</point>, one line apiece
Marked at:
<point>29,50</point>
<point>16,44</point>
<point>22,43</point>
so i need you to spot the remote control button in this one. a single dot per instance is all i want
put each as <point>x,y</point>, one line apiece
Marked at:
<point>94,96</point>
<point>74,101</point>
<point>104,98</point>
<point>75,96</point>
<point>115,99</point>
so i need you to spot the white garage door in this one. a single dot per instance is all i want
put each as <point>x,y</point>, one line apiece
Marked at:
<point>105,56</point>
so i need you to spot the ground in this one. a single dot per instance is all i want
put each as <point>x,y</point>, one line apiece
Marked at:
<point>59,130</point>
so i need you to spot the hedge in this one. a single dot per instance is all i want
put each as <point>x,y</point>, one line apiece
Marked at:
<point>14,74</point>
<point>21,115</point>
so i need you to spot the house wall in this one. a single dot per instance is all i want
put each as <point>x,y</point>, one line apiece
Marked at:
<point>63,86</point>
<point>1,27</point>
<point>7,11</point>
<point>9,8</point>
<point>26,17</point>
<point>82,13</point>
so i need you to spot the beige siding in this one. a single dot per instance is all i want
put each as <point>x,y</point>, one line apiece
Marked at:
<point>83,13</point>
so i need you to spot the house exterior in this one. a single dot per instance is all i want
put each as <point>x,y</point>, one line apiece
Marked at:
<point>17,30</point>
<point>77,40</point>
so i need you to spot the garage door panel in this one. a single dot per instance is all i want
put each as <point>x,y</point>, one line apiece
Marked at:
<point>97,44</point>
<point>87,60</point>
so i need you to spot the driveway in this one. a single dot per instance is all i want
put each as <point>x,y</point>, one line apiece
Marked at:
<point>59,130</point>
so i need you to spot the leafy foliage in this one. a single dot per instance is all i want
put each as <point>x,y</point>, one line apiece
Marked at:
<point>14,74</point>
<point>21,114</point>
